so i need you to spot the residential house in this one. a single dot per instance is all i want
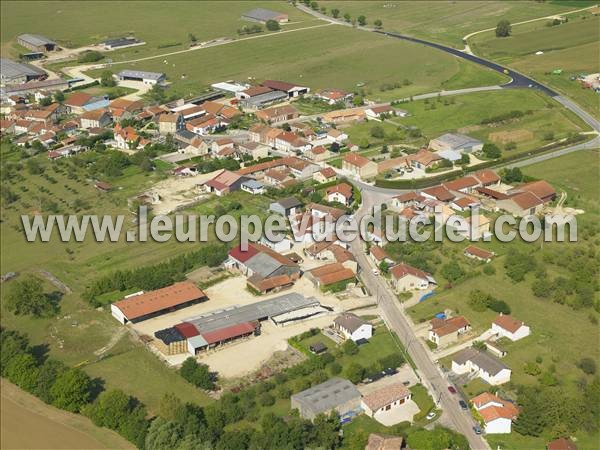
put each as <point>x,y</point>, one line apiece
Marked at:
<point>520,204</point>
<point>278,114</point>
<point>170,123</point>
<point>464,203</point>
<point>304,130</point>
<point>224,183</point>
<point>377,112</point>
<point>387,398</point>
<point>541,189</point>
<point>340,193</point>
<point>456,142</point>
<point>487,177</point>
<point>128,139</point>
<point>98,118</point>
<point>379,255</point>
<point>480,254</point>
<point>333,96</point>
<point>384,442</point>
<point>203,125</point>
<point>291,142</point>
<point>225,112</point>
<point>318,154</point>
<point>253,187</point>
<point>253,149</point>
<point>279,177</point>
<point>121,108</point>
<point>463,185</point>
<point>325,175</point>
<point>353,327</point>
<point>221,144</point>
<point>288,206</point>
<point>336,136</point>
<point>424,159</point>
<point>407,278</point>
<point>301,168</point>
<point>406,200</point>
<point>439,193</point>
<point>448,331</point>
<point>497,414</point>
<point>359,166</point>
<point>509,327</point>
<point>561,443</point>
<point>480,364</point>
<point>196,147</point>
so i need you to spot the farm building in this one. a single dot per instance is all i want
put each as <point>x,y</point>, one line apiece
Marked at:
<point>457,142</point>
<point>36,42</point>
<point>122,42</point>
<point>336,394</point>
<point>12,72</point>
<point>262,15</point>
<point>140,75</point>
<point>292,90</point>
<point>137,307</point>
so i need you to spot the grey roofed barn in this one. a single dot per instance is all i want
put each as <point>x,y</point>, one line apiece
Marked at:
<point>263,264</point>
<point>262,15</point>
<point>482,360</point>
<point>12,70</point>
<point>289,202</point>
<point>325,397</point>
<point>141,75</point>
<point>263,99</point>
<point>35,40</point>
<point>273,307</point>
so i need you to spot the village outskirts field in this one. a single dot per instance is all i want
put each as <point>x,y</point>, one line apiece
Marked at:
<point>321,56</point>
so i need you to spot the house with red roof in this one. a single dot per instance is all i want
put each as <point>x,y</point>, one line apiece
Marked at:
<point>497,414</point>
<point>224,183</point>
<point>478,253</point>
<point>325,175</point>
<point>340,193</point>
<point>359,166</point>
<point>449,330</point>
<point>407,278</point>
<point>509,327</point>
<point>561,444</point>
<point>333,96</point>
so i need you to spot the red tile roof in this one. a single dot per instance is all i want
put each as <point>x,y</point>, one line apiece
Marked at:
<point>187,330</point>
<point>508,323</point>
<point>242,256</point>
<point>443,327</point>
<point>78,99</point>
<point>386,395</point>
<point>478,252</point>
<point>327,172</point>
<point>562,444</point>
<point>401,270</point>
<point>440,193</point>
<point>356,159</point>
<point>343,188</point>
<point>223,334</point>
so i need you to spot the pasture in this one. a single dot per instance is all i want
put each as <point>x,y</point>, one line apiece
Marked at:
<point>447,22</point>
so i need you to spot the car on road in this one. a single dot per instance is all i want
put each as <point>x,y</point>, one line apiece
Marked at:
<point>477,429</point>
<point>451,389</point>
<point>431,415</point>
<point>463,405</point>
<point>375,272</point>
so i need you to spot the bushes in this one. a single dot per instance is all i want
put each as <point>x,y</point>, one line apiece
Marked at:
<point>517,264</point>
<point>197,374</point>
<point>480,301</point>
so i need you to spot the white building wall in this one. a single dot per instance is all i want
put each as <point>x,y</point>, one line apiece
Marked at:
<point>498,426</point>
<point>365,331</point>
<point>522,332</point>
<point>117,314</point>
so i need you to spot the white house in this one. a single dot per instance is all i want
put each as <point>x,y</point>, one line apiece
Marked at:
<point>340,193</point>
<point>353,327</point>
<point>509,327</point>
<point>390,397</point>
<point>408,278</point>
<point>480,364</point>
<point>497,414</point>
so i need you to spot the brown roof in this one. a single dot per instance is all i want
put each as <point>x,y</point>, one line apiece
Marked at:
<point>386,395</point>
<point>507,410</point>
<point>492,193</point>
<point>478,252</point>
<point>443,327</point>
<point>407,196</point>
<point>127,105</point>
<point>327,172</point>
<point>169,118</point>
<point>381,109</point>
<point>541,189</point>
<point>440,193</point>
<point>332,273</point>
<point>270,113</point>
<point>343,188</point>
<point>487,176</point>
<point>278,174</point>
<point>356,160</point>
<point>378,253</point>
<point>93,115</point>
<point>340,254</point>
<point>465,202</point>
<point>508,323</point>
<point>461,183</point>
<point>265,284</point>
<point>154,301</point>
<point>425,157</point>
<point>561,444</point>
<point>526,200</point>
<point>401,270</point>
<point>349,321</point>
<point>78,99</point>
<point>256,90</point>
<point>318,151</point>
<point>383,442</point>
<point>278,85</point>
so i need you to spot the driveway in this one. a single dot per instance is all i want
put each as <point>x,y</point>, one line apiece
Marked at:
<point>402,413</point>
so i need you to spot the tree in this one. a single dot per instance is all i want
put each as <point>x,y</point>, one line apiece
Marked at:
<point>517,264</point>
<point>347,17</point>
<point>384,266</point>
<point>377,132</point>
<point>491,151</point>
<point>587,365</point>
<point>90,56</point>
<point>27,297</point>
<point>503,28</point>
<point>335,368</point>
<point>107,80</point>
<point>465,159</point>
<point>47,375</point>
<point>335,13</point>
<point>358,100</point>
<point>326,431</point>
<point>513,175</point>
<point>46,101</point>
<point>72,390</point>
<point>378,24</point>
<point>197,374</point>
<point>314,5</point>
<point>349,347</point>
<point>355,372</point>
<point>22,370</point>
<point>362,20</point>
<point>266,399</point>
<point>272,25</point>
<point>192,37</point>
<point>59,97</point>
<point>479,300</point>
<point>452,271</point>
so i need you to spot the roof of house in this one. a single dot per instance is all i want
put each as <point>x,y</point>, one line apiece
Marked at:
<point>336,213</point>
<point>94,115</point>
<point>343,188</point>
<point>226,178</point>
<point>407,196</point>
<point>270,113</point>
<point>242,255</point>
<point>291,138</point>
<point>424,157</point>
<point>497,409</point>
<point>357,160</point>
<point>526,200</point>
<point>78,99</point>
<point>478,252</point>
<point>289,202</point>
<point>327,172</point>
<point>443,327</point>
<point>279,174</point>
<point>169,118</point>
<point>127,105</point>
<point>465,202</point>
<point>378,253</point>
<point>333,94</point>
<point>487,176</point>
<point>328,395</point>
<point>540,188</point>
<point>382,442</point>
<point>279,85</point>
<point>561,444</point>
<point>497,195</point>
<point>318,150</point>
<point>386,395</point>
<point>256,90</point>
<point>154,301</point>
<point>332,273</point>
<point>349,321</point>
<point>440,193</point>
<point>264,284</point>
<point>508,322</point>
<point>341,255</point>
<point>381,109</point>
<point>187,329</point>
<point>481,359</point>
<point>402,269</point>
<point>461,183</point>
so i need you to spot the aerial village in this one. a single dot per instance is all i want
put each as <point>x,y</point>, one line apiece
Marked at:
<point>273,292</point>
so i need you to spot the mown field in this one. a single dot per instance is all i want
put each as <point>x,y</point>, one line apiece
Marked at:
<point>164,26</point>
<point>447,22</point>
<point>573,47</point>
<point>561,334</point>
<point>324,57</point>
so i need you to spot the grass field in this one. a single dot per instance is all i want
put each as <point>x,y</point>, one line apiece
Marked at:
<point>560,335</point>
<point>164,26</point>
<point>447,22</point>
<point>573,47</point>
<point>329,56</point>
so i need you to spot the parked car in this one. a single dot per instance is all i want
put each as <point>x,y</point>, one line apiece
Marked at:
<point>390,371</point>
<point>375,272</point>
<point>431,415</point>
<point>477,429</point>
<point>451,389</point>
<point>463,404</point>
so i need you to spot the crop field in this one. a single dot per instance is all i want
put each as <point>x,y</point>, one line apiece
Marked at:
<point>164,26</point>
<point>556,345</point>
<point>447,22</point>
<point>324,57</point>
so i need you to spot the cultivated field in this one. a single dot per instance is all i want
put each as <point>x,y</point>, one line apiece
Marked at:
<point>324,57</point>
<point>447,22</point>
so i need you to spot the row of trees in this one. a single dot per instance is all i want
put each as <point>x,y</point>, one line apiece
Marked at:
<point>335,13</point>
<point>158,275</point>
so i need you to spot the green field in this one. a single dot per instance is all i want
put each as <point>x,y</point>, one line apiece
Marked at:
<point>561,335</point>
<point>164,26</point>
<point>573,47</point>
<point>448,22</point>
<point>344,59</point>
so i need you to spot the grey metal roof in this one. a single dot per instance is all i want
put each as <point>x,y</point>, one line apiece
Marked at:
<point>12,69</point>
<point>482,360</point>
<point>265,98</point>
<point>252,184</point>
<point>262,14</point>
<point>35,39</point>
<point>141,74</point>
<point>328,395</point>
<point>263,264</point>
<point>197,341</point>
<point>120,42</point>
<point>457,140</point>
<point>276,306</point>
<point>289,202</point>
